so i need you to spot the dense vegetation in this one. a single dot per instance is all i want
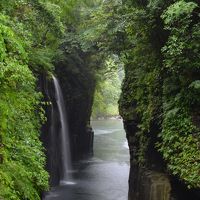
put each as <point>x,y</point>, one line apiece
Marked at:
<point>166,82</point>
<point>34,35</point>
<point>22,173</point>
<point>108,89</point>
<point>157,42</point>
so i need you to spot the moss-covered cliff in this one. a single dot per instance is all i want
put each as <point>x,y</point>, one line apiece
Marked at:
<point>36,40</point>
<point>159,100</point>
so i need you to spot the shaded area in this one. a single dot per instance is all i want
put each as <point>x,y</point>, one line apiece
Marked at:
<point>81,135</point>
<point>77,79</point>
<point>105,176</point>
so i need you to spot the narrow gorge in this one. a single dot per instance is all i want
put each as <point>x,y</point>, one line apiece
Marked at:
<point>99,100</point>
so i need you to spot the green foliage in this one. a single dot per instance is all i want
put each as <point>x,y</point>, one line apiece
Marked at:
<point>40,26</point>
<point>22,174</point>
<point>158,42</point>
<point>179,12</point>
<point>182,49</point>
<point>180,134</point>
<point>180,146</point>
<point>107,90</point>
<point>101,27</point>
<point>34,35</point>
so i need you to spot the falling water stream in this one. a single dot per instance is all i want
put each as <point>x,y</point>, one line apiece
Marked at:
<point>104,176</point>
<point>66,166</point>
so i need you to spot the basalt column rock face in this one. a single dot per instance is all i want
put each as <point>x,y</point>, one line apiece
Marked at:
<point>78,89</point>
<point>78,85</point>
<point>50,137</point>
<point>147,180</point>
<point>77,81</point>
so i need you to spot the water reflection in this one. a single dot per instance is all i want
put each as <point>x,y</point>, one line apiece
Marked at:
<point>105,176</point>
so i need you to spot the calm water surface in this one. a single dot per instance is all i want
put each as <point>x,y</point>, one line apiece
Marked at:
<point>105,175</point>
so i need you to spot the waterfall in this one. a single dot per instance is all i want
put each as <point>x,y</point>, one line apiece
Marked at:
<point>66,166</point>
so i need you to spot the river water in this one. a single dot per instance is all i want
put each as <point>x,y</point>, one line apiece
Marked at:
<point>103,176</point>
